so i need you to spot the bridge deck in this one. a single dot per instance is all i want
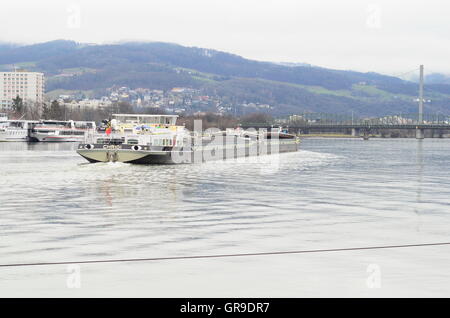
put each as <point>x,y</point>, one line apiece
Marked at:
<point>354,126</point>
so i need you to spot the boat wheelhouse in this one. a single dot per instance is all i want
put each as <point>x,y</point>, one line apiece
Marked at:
<point>137,123</point>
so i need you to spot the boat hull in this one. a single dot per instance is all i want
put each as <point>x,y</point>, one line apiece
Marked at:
<point>126,154</point>
<point>13,136</point>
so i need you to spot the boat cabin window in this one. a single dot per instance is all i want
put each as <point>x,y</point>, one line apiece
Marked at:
<point>146,119</point>
<point>16,124</point>
<point>84,125</point>
<point>43,131</point>
<point>112,141</point>
<point>56,123</point>
<point>71,133</point>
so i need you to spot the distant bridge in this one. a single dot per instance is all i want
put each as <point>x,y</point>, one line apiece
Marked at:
<point>310,122</point>
<point>433,124</point>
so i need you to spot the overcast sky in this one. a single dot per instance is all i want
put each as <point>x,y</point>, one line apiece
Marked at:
<point>385,36</point>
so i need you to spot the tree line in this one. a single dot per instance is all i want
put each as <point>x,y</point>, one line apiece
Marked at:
<point>54,110</point>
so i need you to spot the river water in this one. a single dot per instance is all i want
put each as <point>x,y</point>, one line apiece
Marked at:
<point>334,193</point>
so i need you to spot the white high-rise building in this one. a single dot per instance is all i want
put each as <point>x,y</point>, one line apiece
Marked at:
<point>27,85</point>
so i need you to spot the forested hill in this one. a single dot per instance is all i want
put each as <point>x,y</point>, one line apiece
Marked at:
<point>288,88</point>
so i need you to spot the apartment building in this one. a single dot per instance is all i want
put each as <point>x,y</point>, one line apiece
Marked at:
<point>27,85</point>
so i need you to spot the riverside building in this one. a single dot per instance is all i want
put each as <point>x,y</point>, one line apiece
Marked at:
<point>27,85</point>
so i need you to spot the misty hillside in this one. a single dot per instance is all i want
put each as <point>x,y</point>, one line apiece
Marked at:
<point>289,88</point>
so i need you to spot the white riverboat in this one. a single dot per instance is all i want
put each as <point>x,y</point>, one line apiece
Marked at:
<point>3,125</point>
<point>2,133</point>
<point>61,131</point>
<point>15,130</point>
<point>156,139</point>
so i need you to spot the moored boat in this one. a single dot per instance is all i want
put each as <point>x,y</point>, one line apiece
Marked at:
<point>61,131</point>
<point>16,130</point>
<point>3,125</point>
<point>2,133</point>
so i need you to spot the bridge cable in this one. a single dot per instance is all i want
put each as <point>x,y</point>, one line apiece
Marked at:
<point>225,255</point>
<point>405,73</point>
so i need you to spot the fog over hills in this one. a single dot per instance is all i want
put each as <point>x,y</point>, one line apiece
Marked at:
<point>288,87</point>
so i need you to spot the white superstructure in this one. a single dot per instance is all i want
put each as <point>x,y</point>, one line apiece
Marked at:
<point>27,85</point>
<point>58,130</point>
<point>136,123</point>
<point>15,130</point>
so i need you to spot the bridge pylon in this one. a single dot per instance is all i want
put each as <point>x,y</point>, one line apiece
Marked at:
<point>420,134</point>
